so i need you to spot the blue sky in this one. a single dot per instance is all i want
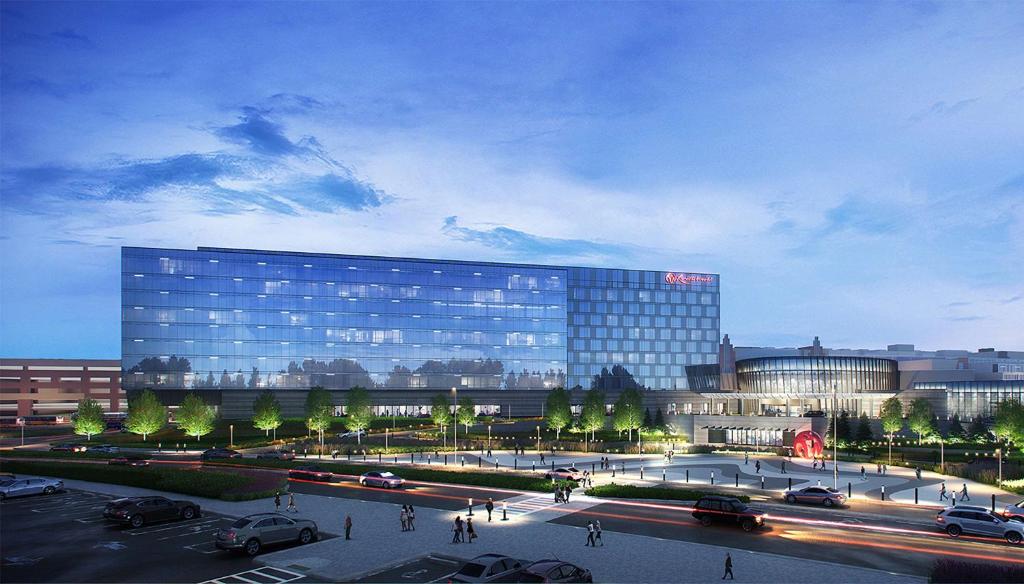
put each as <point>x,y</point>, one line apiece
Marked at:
<point>853,170</point>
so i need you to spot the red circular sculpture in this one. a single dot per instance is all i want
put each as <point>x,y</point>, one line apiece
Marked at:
<point>808,444</point>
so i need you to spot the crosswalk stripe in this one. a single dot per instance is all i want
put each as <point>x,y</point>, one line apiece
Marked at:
<point>264,572</point>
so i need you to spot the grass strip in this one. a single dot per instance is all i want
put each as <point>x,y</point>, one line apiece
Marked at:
<point>667,493</point>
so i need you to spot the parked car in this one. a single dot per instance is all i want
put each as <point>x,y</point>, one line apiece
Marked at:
<point>138,511</point>
<point>24,487</point>
<point>310,472</point>
<point>553,571</point>
<point>712,508</point>
<point>215,453</point>
<point>978,521</point>
<point>1014,512</point>
<point>67,447</point>
<point>353,434</point>
<point>252,532</point>
<point>383,479</point>
<point>826,496</point>
<point>103,449</point>
<point>565,474</point>
<point>131,460</point>
<point>282,454</point>
<point>485,568</point>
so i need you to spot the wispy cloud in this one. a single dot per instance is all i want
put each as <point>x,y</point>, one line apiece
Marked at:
<point>518,243</point>
<point>943,109</point>
<point>970,318</point>
<point>1013,299</point>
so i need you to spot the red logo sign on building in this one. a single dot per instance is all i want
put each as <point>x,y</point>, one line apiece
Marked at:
<point>684,279</point>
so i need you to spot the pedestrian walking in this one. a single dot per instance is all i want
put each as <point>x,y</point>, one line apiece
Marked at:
<point>291,503</point>
<point>757,466</point>
<point>597,531</point>
<point>963,494</point>
<point>728,567</point>
<point>542,458</point>
<point>863,473</point>
<point>783,465</point>
<point>412,519</point>
<point>469,530</point>
<point>558,494</point>
<point>746,458</point>
<point>457,530</point>
<point>942,492</point>
<point>568,490</point>
<point>348,527</point>
<point>917,472</point>
<point>404,518</point>
<point>490,507</point>
<point>823,467</point>
<point>814,464</point>
<point>879,468</point>
<point>590,535</point>
<point>277,502</point>
<point>489,455</point>
<point>885,469</point>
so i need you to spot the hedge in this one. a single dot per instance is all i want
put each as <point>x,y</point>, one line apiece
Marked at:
<point>500,480</point>
<point>199,483</point>
<point>635,492</point>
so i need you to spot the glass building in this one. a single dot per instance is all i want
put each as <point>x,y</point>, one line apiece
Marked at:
<point>817,375</point>
<point>242,319</point>
<point>970,399</point>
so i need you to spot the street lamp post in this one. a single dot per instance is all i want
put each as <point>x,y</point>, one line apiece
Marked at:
<point>999,454</point>
<point>538,440</point>
<point>455,423</point>
<point>835,441</point>
<point>385,440</point>
<point>488,437</point>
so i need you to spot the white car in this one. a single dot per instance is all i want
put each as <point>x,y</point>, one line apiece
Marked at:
<point>570,473</point>
<point>24,487</point>
<point>353,434</point>
<point>383,479</point>
<point>1014,512</point>
<point>485,568</point>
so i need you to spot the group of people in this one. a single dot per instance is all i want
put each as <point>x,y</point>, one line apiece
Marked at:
<point>562,493</point>
<point>605,463</point>
<point>669,454</point>
<point>463,530</point>
<point>883,469</point>
<point>815,464</point>
<point>944,495</point>
<point>594,533</point>
<point>408,518</point>
<point>291,503</point>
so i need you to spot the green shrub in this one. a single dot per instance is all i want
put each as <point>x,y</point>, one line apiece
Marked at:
<point>668,493</point>
<point>199,483</point>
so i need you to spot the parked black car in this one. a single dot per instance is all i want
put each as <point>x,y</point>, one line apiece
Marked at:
<point>710,509</point>
<point>310,472</point>
<point>138,511</point>
<point>215,453</point>
<point>553,571</point>
<point>130,460</point>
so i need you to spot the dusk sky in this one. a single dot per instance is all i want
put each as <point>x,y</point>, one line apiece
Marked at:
<point>852,170</point>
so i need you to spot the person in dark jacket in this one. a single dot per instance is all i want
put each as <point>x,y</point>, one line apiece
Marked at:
<point>728,567</point>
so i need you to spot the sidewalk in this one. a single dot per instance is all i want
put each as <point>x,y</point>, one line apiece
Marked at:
<point>378,542</point>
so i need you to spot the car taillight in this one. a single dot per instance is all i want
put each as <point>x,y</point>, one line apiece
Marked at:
<point>230,535</point>
<point>940,519</point>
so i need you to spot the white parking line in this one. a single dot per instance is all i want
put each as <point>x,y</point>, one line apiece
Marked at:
<point>194,522</point>
<point>279,575</point>
<point>199,531</point>
<point>202,544</point>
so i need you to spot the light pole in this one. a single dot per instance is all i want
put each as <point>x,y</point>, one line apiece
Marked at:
<point>538,440</point>
<point>488,437</point>
<point>999,454</point>
<point>455,423</point>
<point>835,441</point>
<point>385,440</point>
<point>942,455</point>
<point>231,427</point>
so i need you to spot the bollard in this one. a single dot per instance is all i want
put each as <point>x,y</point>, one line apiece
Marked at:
<point>396,459</point>
<point>470,508</point>
<point>504,513</point>
<point>613,471</point>
<point>593,466</point>
<point>159,446</point>
<point>790,483</point>
<point>662,475</point>
<point>446,460</point>
<point>641,472</point>
<point>883,492</point>
<point>515,464</point>
<point>412,457</point>
<point>463,461</point>
<point>849,490</point>
<point>495,464</point>
<point>349,455</point>
<point>378,458</point>
<point>762,482</point>
<point>712,477</point>
<point>737,479</point>
<point>687,475</point>
<point>954,498</point>
<point>364,456</point>
<point>479,462</point>
<point>534,466</point>
<point>993,502</point>
<point>915,495</point>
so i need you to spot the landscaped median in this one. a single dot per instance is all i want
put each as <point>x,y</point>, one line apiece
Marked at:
<point>498,480</point>
<point>613,490</point>
<point>212,484</point>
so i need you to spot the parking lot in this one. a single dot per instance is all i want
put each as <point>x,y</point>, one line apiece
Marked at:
<point>64,538</point>
<point>416,570</point>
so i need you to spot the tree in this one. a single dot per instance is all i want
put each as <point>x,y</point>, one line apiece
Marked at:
<point>266,413</point>
<point>956,429</point>
<point>1009,423</point>
<point>659,420</point>
<point>195,417</point>
<point>558,410</point>
<point>592,413</point>
<point>892,419</point>
<point>920,417</point>
<point>978,432</point>
<point>466,413</point>
<point>843,431</point>
<point>359,411</point>
<point>864,433</point>
<point>627,412</point>
<point>145,414</point>
<point>319,409</point>
<point>89,418</point>
<point>440,410</point>
<point>648,422</point>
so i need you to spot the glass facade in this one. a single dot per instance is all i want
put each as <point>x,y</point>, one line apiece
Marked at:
<point>816,375</point>
<point>241,319</point>
<point>969,399</point>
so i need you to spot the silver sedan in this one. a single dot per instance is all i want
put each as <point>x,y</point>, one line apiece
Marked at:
<point>826,496</point>
<point>25,487</point>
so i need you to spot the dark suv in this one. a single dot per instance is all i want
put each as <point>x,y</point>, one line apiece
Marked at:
<point>710,509</point>
<point>215,453</point>
<point>138,511</point>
